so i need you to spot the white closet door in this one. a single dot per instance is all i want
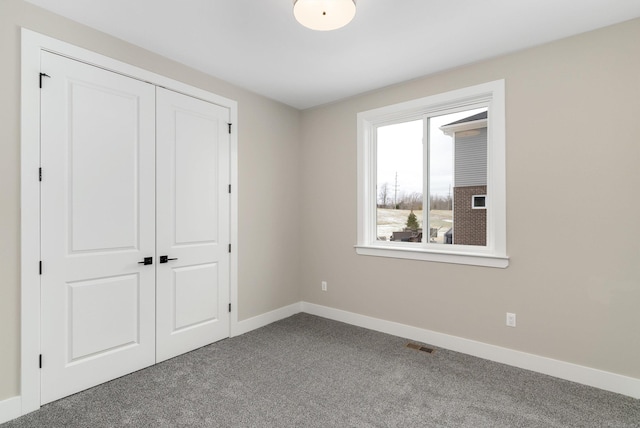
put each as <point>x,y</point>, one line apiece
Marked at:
<point>192,223</point>
<point>98,213</point>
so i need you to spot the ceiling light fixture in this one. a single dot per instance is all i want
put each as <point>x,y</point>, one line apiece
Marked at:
<point>324,15</point>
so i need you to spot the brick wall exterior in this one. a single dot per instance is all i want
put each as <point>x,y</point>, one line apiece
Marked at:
<point>469,225</point>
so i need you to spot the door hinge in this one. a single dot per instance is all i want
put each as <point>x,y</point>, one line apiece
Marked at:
<point>229,127</point>
<point>229,247</point>
<point>229,188</point>
<point>41,76</point>
<point>40,268</point>
<point>229,307</point>
<point>40,361</point>
<point>39,174</point>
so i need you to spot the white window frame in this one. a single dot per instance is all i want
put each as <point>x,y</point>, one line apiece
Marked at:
<point>494,254</point>
<point>473,202</point>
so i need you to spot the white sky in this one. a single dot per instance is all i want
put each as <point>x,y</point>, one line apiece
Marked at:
<point>400,150</point>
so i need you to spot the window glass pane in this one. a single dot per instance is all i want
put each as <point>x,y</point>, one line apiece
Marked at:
<point>458,177</point>
<point>399,182</point>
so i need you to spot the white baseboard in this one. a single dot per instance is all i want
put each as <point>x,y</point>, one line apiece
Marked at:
<point>584,375</point>
<point>10,408</point>
<point>258,321</point>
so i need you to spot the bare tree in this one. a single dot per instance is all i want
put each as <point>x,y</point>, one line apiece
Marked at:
<point>414,201</point>
<point>440,202</point>
<point>383,196</point>
<point>409,201</point>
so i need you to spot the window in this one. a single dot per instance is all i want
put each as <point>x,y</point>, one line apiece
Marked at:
<point>431,178</point>
<point>479,202</point>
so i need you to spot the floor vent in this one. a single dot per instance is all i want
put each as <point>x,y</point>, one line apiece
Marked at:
<point>419,347</point>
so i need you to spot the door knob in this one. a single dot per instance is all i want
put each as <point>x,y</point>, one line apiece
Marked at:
<point>165,259</point>
<point>146,261</point>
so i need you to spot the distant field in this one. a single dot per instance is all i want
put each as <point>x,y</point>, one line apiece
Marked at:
<point>390,221</point>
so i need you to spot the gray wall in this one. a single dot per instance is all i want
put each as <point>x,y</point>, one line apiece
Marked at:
<point>470,159</point>
<point>268,176</point>
<point>572,147</point>
<point>573,210</point>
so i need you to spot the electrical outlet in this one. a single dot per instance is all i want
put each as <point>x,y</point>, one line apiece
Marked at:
<point>324,285</point>
<point>511,319</point>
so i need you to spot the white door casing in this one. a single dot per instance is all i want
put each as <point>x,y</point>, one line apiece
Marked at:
<point>34,46</point>
<point>105,313</point>
<point>192,223</point>
<point>97,214</point>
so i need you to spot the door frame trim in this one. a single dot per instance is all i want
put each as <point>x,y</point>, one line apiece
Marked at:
<point>33,44</point>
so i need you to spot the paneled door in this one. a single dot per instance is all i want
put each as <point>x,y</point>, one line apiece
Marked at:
<point>98,226</point>
<point>192,223</point>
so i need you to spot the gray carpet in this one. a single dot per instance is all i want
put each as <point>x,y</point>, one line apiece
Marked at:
<point>307,371</point>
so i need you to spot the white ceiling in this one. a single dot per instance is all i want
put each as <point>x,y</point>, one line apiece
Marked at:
<point>258,45</point>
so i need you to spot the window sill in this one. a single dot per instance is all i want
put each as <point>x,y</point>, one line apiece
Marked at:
<point>474,259</point>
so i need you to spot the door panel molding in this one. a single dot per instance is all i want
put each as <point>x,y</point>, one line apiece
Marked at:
<point>98,148</point>
<point>33,44</point>
<point>192,218</point>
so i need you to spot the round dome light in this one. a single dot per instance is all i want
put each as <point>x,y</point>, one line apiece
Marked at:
<point>324,15</point>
